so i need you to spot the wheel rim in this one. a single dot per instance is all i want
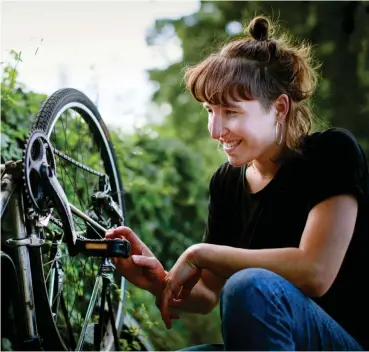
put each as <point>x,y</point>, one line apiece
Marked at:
<point>77,274</point>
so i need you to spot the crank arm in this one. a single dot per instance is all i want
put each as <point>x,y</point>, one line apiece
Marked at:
<point>58,197</point>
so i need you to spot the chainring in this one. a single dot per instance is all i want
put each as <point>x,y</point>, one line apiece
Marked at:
<point>37,151</point>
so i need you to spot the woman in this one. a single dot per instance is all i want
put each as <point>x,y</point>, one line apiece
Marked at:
<point>287,235</point>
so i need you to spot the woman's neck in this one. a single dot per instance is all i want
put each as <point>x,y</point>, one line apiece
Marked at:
<point>265,170</point>
<point>268,165</point>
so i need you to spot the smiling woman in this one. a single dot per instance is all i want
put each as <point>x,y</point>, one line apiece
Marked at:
<point>286,240</point>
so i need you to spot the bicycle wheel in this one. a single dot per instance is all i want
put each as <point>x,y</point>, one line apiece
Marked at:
<point>85,164</point>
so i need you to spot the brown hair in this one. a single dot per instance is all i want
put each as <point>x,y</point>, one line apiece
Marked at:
<point>262,68</point>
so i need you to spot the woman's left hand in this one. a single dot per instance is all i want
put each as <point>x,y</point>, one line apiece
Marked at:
<point>179,282</point>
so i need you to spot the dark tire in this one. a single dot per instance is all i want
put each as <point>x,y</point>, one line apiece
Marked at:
<point>53,327</point>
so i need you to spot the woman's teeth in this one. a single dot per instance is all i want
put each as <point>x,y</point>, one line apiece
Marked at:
<point>231,144</point>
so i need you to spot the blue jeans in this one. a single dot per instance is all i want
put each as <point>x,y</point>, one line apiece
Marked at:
<point>260,310</point>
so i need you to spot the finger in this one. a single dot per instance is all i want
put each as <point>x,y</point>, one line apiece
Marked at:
<point>189,285</point>
<point>164,307</point>
<point>169,315</point>
<point>179,292</point>
<point>176,291</point>
<point>127,233</point>
<point>111,236</point>
<point>174,315</point>
<point>193,280</point>
<point>185,293</point>
<point>158,303</point>
<point>123,231</point>
<point>176,303</point>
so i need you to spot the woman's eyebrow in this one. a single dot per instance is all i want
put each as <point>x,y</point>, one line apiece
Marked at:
<point>233,106</point>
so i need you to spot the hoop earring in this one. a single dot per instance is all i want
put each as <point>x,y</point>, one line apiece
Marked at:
<point>278,132</point>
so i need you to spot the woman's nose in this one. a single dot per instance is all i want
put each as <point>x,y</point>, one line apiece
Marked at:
<point>216,128</point>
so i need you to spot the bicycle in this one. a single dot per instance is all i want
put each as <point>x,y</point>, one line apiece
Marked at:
<point>65,293</point>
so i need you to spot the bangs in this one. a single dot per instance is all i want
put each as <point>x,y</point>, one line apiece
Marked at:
<point>219,80</point>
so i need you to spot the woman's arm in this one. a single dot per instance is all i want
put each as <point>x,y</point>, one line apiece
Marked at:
<point>312,267</point>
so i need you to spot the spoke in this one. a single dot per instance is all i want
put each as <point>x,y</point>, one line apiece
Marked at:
<point>79,282</point>
<point>55,258</point>
<point>70,331</point>
<point>52,261</point>
<point>57,296</point>
<point>74,188</point>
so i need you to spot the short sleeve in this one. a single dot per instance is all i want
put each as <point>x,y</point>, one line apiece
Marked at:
<point>338,166</point>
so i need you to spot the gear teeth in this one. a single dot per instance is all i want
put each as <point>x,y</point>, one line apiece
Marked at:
<point>26,184</point>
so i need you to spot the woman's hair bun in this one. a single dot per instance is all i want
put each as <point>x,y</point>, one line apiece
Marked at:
<point>259,28</point>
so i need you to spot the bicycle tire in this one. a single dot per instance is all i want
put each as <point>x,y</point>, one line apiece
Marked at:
<point>47,117</point>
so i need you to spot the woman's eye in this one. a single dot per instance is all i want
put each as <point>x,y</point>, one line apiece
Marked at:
<point>230,112</point>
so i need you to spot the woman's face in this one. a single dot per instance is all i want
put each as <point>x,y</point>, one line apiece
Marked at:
<point>245,130</point>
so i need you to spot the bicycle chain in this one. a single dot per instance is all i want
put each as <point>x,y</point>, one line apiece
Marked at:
<point>77,163</point>
<point>56,222</point>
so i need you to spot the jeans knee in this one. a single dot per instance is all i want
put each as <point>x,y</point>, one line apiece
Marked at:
<point>246,288</point>
<point>244,281</point>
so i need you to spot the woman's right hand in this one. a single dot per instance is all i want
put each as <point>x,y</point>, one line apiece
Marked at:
<point>142,268</point>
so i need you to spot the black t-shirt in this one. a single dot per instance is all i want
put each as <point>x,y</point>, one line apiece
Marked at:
<point>331,163</point>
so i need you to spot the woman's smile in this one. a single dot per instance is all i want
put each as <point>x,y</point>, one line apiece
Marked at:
<point>230,146</point>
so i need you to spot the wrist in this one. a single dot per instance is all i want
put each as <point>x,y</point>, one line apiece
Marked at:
<point>158,287</point>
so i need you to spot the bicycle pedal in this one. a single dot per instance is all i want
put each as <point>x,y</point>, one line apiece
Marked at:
<point>102,247</point>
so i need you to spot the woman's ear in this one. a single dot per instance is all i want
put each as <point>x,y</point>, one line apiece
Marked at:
<point>282,106</point>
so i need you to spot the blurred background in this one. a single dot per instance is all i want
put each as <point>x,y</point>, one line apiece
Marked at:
<point>128,57</point>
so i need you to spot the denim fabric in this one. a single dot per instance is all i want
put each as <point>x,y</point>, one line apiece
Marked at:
<point>260,310</point>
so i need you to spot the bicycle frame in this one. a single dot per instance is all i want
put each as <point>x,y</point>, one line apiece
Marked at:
<point>11,199</point>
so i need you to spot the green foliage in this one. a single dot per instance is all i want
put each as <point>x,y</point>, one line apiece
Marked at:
<point>18,108</point>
